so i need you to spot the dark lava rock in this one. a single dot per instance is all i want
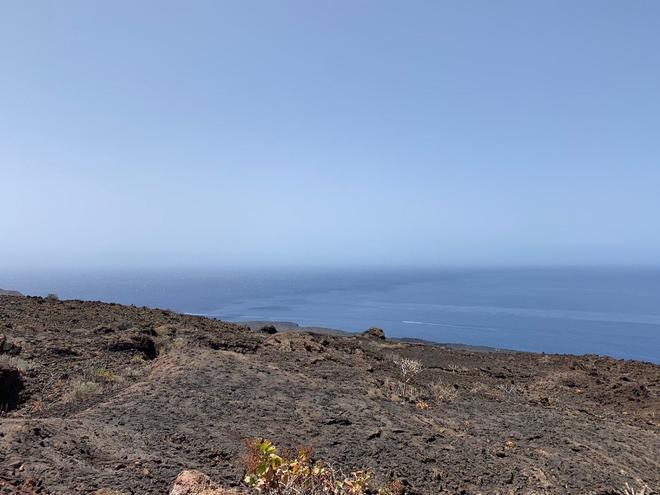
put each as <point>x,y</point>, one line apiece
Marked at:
<point>135,343</point>
<point>124,325</point>
<point>7,347</point>
<point>375,332</point>
<point>269,329</point>
<point>11,385</point>
<point>63,351</point>
<point>148,330</point>
<point>104,329</point>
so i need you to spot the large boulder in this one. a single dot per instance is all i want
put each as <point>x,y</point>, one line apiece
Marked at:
<point>197,483</point>
<point>268,329</point>
<point>375,332</point>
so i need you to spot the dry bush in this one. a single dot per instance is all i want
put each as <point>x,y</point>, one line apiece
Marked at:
<point>443,392</point>
<point>408,370</point>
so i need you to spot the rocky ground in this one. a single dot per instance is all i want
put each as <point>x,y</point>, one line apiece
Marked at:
<point>106,397</point>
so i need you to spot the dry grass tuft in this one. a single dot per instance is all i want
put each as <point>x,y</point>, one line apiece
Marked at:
<point>15,362</point>
<point>82,389</point>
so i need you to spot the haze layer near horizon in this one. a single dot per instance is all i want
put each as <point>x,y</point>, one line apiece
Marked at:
<point>241,133</point>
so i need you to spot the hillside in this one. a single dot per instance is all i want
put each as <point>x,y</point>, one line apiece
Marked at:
<point>4,292</point>
<point>124,398</point>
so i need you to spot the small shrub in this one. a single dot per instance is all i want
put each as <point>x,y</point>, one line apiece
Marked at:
<point>52,297</point>
<point>396,391</point>
<point>137,359</point>
<point>408,370</point>
<point>443,392</point>
<point>270,473</point>
<point>105,374</point>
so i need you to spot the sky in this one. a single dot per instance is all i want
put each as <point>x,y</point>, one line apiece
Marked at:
<point>338,133</point>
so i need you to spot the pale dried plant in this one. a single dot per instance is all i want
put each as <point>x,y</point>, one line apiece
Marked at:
<point>408,369</point>
<point>443,392</point>
<point>643,490</point>
<point>509,389</point>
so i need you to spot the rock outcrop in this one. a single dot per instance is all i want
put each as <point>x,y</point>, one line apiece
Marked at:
<point>375,332</point>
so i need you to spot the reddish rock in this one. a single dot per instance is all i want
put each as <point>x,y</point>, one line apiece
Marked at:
<point>197,483</point>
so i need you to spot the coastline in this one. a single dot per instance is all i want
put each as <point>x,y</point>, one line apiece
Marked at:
<point>290,326</point>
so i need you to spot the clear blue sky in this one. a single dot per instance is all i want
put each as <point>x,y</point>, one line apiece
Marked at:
<point>158,133</point>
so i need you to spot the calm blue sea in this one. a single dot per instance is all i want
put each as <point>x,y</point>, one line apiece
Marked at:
<point>614,311</point>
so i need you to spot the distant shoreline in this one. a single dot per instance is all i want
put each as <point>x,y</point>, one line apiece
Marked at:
<point>290,326</point>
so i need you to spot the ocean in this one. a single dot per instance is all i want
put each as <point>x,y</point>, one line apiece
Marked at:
<point>612,311</point>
